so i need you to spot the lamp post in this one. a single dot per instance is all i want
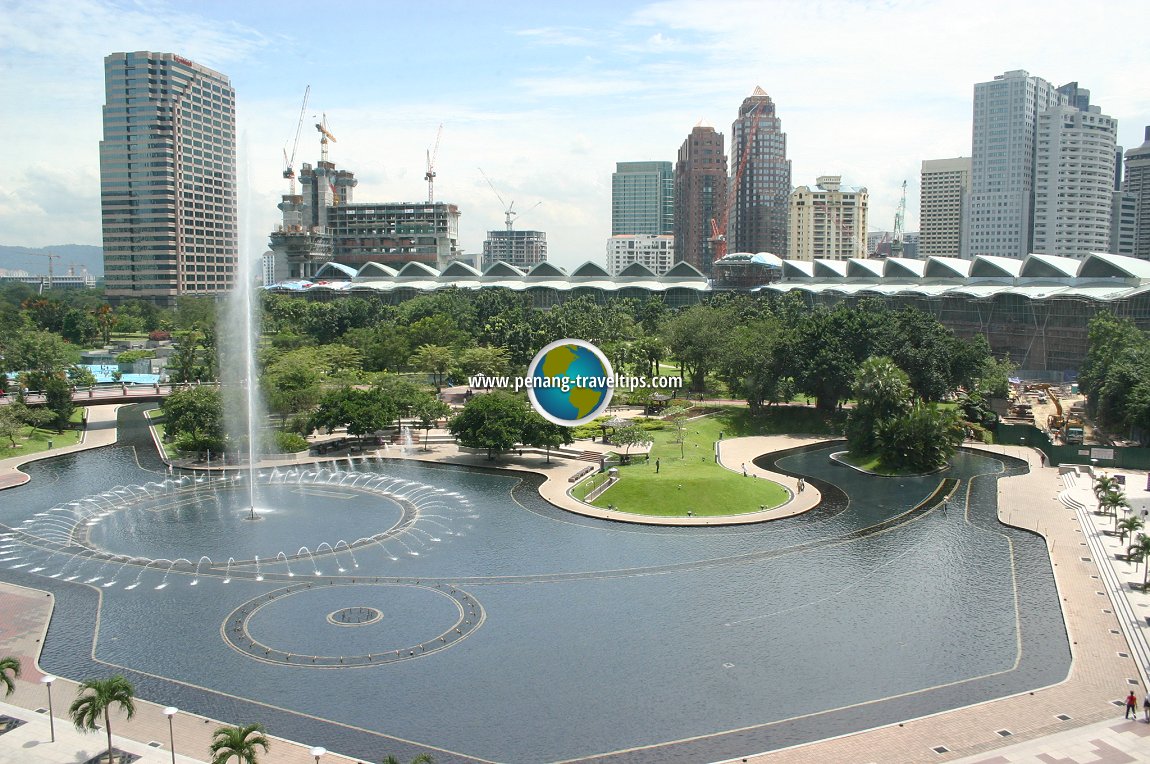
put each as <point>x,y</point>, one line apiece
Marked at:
<point>47,682</point>
<point>169,712</point>
<point>317,752</point>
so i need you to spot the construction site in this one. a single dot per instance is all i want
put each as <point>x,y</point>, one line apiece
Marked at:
<point>1057,410</point>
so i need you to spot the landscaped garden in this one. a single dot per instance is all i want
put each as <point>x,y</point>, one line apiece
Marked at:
<point>682,479</point>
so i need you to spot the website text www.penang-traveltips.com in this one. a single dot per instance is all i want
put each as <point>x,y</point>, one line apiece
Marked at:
<point>566,384</point>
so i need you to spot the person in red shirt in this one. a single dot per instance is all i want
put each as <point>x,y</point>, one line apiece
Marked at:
<point>1132,706</point>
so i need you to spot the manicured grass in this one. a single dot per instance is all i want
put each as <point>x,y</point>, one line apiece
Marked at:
<point>34,442</point>
<point>688,478</point>
<point>156,420</point>
<point>874,465</point>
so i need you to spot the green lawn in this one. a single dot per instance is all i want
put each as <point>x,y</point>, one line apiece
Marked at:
<point>31,441</point>
<point>156,420</point>
<point>689,479</point>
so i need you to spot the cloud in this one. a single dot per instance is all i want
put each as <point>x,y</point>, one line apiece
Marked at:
<point>562,36</point>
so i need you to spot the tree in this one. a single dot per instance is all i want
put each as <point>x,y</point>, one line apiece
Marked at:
<point>291,384</point>
<point>240,742</point>
<point>493,421</point>
<point>827,349</point>
<point>1139,551</point>
<point>543,433</point>
<point>9,670</point>
<point>194,419</point>
<point>428,410</point>
<point>58,400</point>
<point>1128,525</point>
<point>1110,502</point>
<point>41,354</point>
<point>95,698</point>
<point>920,440</point>
<point>360,411</point>
<point>678,418</point>
<point>10,422</point>
<point>1104,484</point>
<point>435,360</point>
<point>423,758</point>
<point>695,337</point>
<point>630,435</point>
<point>882,392</point>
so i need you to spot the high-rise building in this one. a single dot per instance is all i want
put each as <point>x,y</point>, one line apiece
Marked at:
<point>700,195</point>
<point>1137,183</point>
<point>1074,178</point>
<point>321,223</point>
<point>828,222</point>
<point>167,178</point>
<point>1123,223</point>
<point>762,172</point>
<point>944,190</point>
<point>655,252</point>
<point>643,198</point>
<point>1003,154</point>
<point>523,249</point>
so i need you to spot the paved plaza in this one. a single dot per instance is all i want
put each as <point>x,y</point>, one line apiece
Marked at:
<point>1077,721</point>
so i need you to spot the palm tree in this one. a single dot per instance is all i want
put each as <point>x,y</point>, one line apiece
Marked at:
<point>9,670</point>
<point>423,758</point>
<point>95,697</point>
<point>1111,501</point>
<point>240,742</point>
<point>1139,551</point>
<point>1104,484</point>
<point>1129,525</point>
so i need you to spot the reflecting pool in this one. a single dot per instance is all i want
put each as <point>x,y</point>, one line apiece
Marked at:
<point>383,606</point>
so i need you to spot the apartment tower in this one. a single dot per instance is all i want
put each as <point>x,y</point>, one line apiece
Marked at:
<point>828,222</point>
<point>762,176</point>
<point>1074,178</point>
<point>1137,184</point>
<point>167,178</point>
<point>943,200</point>
<point>643,199</point>
<point>1004,147</point>
<point>700,195</point>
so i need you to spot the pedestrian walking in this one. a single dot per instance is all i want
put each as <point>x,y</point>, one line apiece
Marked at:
<point>1146,708</point>
<point>744,469</point>
<point>802,485</point>
<point>656,466</point>
<point>1132,706</point>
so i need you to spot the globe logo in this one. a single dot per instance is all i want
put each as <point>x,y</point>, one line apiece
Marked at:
<point>569,382</point>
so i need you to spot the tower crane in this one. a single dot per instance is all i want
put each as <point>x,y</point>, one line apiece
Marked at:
<point>429,176</point>
<point>289,162</point>
<point>509,210</point>
<point>899,216</point>
<point>327,136</point>
<point>50,257</point>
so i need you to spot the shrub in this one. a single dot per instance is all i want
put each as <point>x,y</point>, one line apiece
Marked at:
<point>159,335</point>
<point>289,442</point>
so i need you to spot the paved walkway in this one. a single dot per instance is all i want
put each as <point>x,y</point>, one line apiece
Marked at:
<point>1073,722</point>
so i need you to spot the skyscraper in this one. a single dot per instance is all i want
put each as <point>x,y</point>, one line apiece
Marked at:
<point>1004,140</point>
<point>944,190</point>
<point>700,195</point>
<point>167,178</point>
<point>1137,183</point>
<point>642,198</point>
<point>1074,178</point>
<point>762,174</point>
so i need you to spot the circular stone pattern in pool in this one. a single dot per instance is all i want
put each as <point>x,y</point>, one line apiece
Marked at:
<point>302,625</point>
<point>354,616</point>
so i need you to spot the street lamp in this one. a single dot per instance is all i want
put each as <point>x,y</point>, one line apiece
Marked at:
<point>169,712</point>
<point>47,682</point>
<point>317,752</point>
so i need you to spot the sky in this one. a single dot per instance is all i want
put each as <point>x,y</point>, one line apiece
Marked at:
<point>544,97</point>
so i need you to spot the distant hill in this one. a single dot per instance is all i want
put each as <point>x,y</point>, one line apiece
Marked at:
<point>71,256</point>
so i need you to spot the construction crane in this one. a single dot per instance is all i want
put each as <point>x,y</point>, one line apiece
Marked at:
<point>289,162</point>
<point>899,216</point>
<point>719,225</point>
<point>429,176</point>
<point>327,136</point>
<point>50,257</point>
<point>509,210</point>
